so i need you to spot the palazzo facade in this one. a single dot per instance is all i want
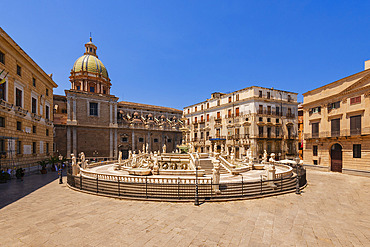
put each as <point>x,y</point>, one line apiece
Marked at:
<point>90,119</point>
<point>337,124</point>
<point>26,101</point>
<point>254,117</point>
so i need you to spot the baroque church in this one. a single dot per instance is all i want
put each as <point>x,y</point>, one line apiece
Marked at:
<point>90,119</point>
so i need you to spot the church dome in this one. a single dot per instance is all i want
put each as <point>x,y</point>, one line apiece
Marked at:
<point>90,63</point>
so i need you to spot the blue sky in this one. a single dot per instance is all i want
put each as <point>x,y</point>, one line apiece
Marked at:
<point>176,53</point>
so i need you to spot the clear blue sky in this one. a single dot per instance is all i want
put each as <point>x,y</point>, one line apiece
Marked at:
<point>176,53</point>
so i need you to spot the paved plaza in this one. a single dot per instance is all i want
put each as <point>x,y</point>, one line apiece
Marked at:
<point>333,210</point>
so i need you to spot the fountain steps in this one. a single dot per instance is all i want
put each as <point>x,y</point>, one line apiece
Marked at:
<point>207,166</point>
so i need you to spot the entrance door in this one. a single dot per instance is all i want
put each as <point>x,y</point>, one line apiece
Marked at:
<point>336,158</point>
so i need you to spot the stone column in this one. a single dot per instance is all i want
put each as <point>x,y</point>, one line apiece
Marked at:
<point>68,142</point>
<point>110,113</point>
<point>98,88</point>
<point>85,82</point>
<point>115,143</point>
<point>115,114</point>
<point>110,143</point>
<point>133,140</point>
<point>74,140</point>
<point>68,108</point>
<point>74,109</point>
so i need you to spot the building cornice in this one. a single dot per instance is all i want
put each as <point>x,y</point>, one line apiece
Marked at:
<point>16,47</point>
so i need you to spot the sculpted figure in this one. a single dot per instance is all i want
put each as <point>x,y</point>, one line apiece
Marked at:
<point>83,160</point>
<point>129,154</point>
<point>143,148</point>
<point>215,148</point>
<point>264,158</point>
<point>75,167</point>
<point>272,158</point>
<point>147,148</point>
<point>164,148</point>
<point>119,157</point>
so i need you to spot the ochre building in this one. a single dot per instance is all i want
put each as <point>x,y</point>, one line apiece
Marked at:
<point>337,124</point>
<point>90,119</point>
<point>26,101</point>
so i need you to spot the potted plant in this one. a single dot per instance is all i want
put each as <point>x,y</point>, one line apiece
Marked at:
<point>43,164</point>
<point>52,161</point>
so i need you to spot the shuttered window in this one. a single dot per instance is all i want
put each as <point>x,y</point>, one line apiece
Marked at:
<point>335,127</point>
<point>355,125</point>
<point>315,130</point>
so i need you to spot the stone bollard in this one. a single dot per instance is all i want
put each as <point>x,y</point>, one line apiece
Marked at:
<point>216,176</point>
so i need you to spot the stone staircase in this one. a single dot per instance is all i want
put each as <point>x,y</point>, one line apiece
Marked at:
<point>207,166</point>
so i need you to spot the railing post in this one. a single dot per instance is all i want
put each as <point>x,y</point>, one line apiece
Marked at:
<point>146,187</point>
<point>80,182</point>
<point>97,184</point>
<point>119,189</point>
<point>242,186</point>
<point>261,184</point>
<point>178,188</point>
<point>297,183</point>
<point>281,182</point>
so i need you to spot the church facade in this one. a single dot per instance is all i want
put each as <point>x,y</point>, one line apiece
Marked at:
<point>90,119</point>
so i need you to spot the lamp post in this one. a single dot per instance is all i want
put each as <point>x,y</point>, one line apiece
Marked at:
<point>60,169</point>
<point>297,183</point>
<point>196,201</point>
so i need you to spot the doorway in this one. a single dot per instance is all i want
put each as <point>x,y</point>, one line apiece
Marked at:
<point>336,158</point>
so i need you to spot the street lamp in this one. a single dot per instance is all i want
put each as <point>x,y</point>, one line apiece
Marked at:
<point>60,169</point>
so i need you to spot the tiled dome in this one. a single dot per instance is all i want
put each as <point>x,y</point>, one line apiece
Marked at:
<point>90,63</point>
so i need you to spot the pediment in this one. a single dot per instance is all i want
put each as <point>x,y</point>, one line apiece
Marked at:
<point>363,82</point>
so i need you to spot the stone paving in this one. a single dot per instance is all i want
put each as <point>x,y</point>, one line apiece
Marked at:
<point>332,211</point>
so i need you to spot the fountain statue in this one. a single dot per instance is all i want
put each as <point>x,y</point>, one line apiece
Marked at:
<point>164,148</point>
<point>264,158</point>
<point>75,167</point>
<point>83,160</point>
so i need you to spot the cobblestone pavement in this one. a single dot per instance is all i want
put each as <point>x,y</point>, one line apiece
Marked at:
<point>332,211</point>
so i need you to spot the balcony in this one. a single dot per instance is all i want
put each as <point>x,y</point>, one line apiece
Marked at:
<point>35,117</point>
<point>355,131</point>
<point>6,105</point>
<point>20,110</point>
<point>315,135</point>
<point>290,115</point>
<point>335,133</point>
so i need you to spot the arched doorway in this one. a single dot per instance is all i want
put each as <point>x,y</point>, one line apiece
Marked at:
<point>336,157</point>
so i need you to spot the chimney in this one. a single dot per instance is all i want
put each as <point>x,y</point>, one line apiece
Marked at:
<point>367,64</point>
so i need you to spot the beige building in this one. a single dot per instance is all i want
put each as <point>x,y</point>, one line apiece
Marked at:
<point>90,119</point>
<point>26,101</point>
<point>254,117</point>
<point>337,124</point>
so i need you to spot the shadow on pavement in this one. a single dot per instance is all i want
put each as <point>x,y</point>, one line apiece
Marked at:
<point>15,189</point>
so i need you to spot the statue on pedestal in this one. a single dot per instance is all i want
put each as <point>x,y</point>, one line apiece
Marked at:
<point>129,154</point>
<point>264,158</point>
<point>164,148</point>
<point>75,167</point>
<point>119,157</point>
<point>83,160</point>
<point>216,175</point>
